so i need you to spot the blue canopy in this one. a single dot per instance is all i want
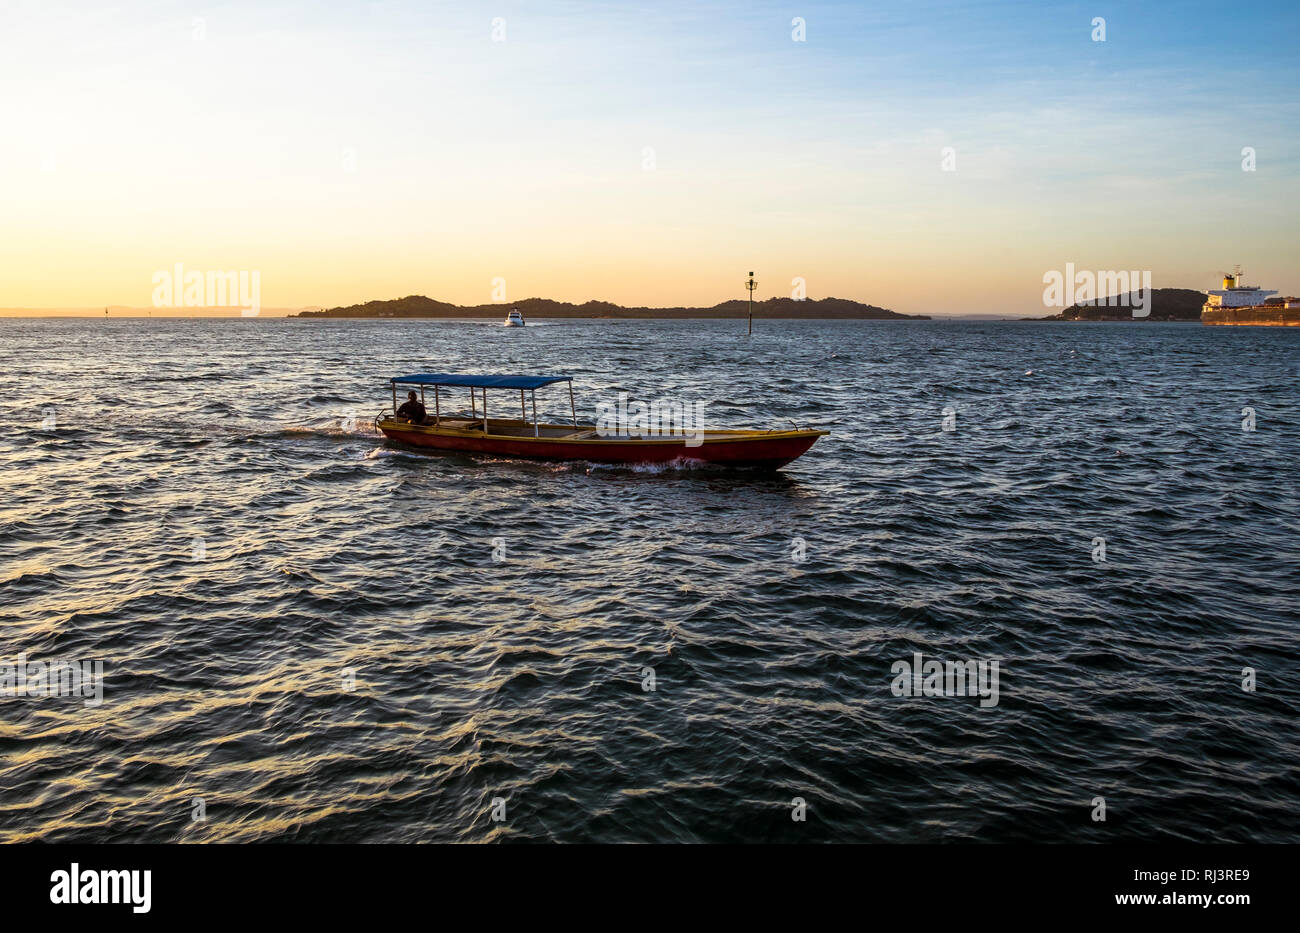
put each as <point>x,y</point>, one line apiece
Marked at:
<point>479,382</point>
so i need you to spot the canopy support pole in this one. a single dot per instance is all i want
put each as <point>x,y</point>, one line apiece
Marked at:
<point>394,385</point>
<point>523,412</point>
<point>572,407</point>
<point>472,410</point>
<point>536,429</point>
<point>437,414</point>
<point>485,409</point>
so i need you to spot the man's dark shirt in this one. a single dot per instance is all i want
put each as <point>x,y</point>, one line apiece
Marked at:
<point>413,410</point>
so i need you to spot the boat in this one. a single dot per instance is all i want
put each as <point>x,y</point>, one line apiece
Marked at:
<point>514,319</point>
<point>610,441</point>
<point>1246,304</point>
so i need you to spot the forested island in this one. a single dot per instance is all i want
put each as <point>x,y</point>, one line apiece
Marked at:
<point>1165,304</point>
<point>418,306</point>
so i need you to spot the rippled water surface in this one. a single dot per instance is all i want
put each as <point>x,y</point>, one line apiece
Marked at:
<point>131,447</point>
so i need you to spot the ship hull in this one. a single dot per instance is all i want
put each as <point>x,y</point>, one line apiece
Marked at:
<point>1266,316</point>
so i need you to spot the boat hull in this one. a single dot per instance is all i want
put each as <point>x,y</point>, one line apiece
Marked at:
<point>760,450</point>
<point>1257,316</point>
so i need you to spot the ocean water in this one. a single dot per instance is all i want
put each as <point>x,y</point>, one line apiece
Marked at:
<point>308,635</point>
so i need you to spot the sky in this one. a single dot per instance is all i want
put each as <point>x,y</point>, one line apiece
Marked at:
<point>644,153</point>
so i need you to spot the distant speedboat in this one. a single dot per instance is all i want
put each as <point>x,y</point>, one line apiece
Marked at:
<point>519,437</point>
<point>514,319</point>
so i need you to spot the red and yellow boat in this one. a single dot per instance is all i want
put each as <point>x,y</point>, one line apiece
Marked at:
<point>477,433</point>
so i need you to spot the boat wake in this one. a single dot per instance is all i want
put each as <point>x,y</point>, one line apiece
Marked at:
<point>328,427</point>
<point>680,465</point>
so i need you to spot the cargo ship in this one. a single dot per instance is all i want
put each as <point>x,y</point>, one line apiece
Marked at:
<point>1246,304</point>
